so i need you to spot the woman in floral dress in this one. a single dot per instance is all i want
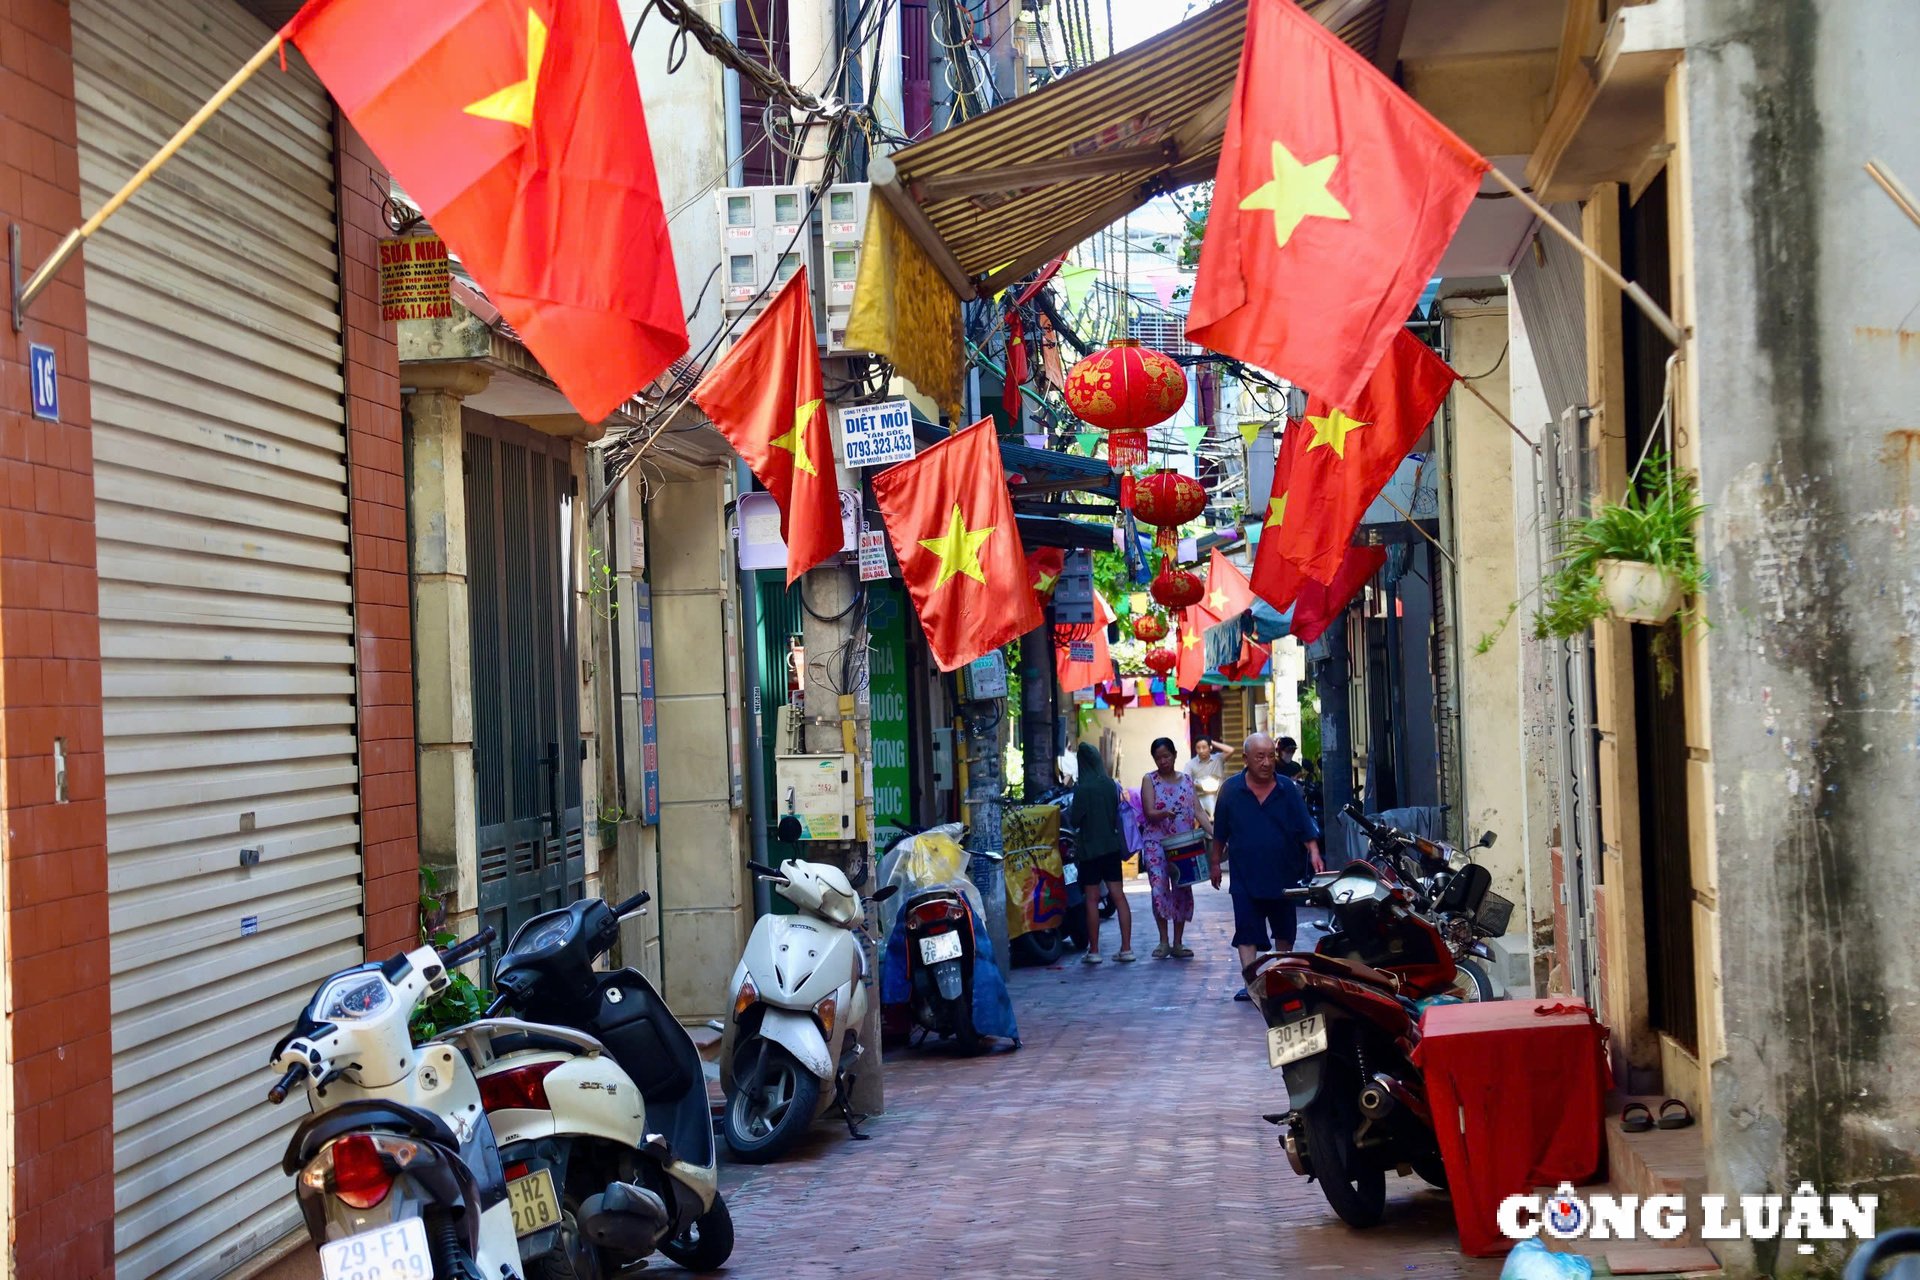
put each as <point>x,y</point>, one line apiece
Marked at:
<point>1168,803</point>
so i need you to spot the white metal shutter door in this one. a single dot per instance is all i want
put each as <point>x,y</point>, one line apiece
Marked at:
<point>226,627</point>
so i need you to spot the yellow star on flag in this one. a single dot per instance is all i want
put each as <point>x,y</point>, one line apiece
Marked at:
<point>1217,601</point>
<point>1297,192</point>
<point>514,104</point>
<point>1333,431</point>
<point>959,549</point>
<point>1188,639</point>
<point>795,441</point>
<point>1044,583</point>
<point>1276,512</point>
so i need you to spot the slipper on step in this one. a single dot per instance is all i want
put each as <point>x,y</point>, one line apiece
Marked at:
<point>1681,1114</point>
<point>1635,1118</point>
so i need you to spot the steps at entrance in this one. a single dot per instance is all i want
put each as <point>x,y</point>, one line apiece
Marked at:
<point>1658,1162</point>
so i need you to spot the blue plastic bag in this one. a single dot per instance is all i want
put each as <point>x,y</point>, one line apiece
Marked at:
<point>1531,1260</point>
<point>992,1003</point>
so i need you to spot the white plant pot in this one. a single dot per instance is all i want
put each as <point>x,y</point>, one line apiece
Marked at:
<point>1639,592</point>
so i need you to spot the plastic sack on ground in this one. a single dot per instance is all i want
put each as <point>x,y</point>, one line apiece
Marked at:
<point>1531,1260</point>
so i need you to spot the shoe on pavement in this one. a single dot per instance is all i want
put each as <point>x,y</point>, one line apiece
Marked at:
<point>1182,953</point>
<point>1126,957</point>
<point>1242,994</point>
<point>1162,951</point>
<point>1092,957</point>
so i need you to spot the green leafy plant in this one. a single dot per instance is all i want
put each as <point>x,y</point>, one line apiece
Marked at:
<point>464,999</point>
<point>1653,523</point>
<point>600,585</point>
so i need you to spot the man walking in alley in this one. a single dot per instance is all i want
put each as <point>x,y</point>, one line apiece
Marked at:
<point>1261,821</point>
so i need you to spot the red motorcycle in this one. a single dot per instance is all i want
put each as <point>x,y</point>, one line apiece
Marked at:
<point>1342,1023</point>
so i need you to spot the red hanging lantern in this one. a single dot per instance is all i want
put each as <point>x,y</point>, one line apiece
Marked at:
<point>1161,661</point>
<point>1169,499</point>
<point>1150,627</point>
<point>1176,588</point>
<point>1204,703</point>
<point>1124,389</point>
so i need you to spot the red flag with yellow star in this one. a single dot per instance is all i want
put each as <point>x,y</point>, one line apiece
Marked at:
<point>1276,579</point>
<point>1193,647</point>
<point>950,520</point>
<point>1043,572</point>
<point>1319,604</point>
<point>765,398</point>
<point>1229,594</point>
<point>1335,197</point>
<point>518,130</point>
<point>1345,457</point>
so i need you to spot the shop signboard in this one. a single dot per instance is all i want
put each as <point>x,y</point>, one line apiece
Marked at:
<point>887,702</point>
<point>415,282</point>
<point>876,435</point>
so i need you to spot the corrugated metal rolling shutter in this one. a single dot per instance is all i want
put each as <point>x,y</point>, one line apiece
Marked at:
<point>1234,724</point>
<point>226,624</point>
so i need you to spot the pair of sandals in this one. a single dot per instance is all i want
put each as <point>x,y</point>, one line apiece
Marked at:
<point>1636,1117</point>
<point>1178,953</point>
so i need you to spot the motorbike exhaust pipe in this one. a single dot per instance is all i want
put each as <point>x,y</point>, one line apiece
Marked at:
<point>1380,1096</point>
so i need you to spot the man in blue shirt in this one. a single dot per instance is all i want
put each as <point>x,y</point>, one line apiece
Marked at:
<point>1261,819</point>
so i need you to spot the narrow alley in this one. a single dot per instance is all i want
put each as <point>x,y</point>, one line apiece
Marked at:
<point>1123,1138</point>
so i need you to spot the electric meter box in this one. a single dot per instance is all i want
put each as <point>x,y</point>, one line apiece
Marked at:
<point>818,790</point>
<point>843,227</point>
<point>757,225</point>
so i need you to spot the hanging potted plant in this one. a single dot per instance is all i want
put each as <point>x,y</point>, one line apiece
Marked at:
<point>1635,559</point>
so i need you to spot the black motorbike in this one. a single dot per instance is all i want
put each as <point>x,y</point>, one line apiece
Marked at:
<point>1458,899</point>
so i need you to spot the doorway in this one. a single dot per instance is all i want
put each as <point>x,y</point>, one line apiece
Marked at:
<point>526,708</point>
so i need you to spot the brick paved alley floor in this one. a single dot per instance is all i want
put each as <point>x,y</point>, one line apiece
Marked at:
<point>1123,1139</point>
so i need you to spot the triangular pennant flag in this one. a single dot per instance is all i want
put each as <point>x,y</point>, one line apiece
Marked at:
<point>1195,433</point>
<point>1087,440</point>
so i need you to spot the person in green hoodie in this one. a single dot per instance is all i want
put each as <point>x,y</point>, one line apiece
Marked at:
<point>1099,849</point>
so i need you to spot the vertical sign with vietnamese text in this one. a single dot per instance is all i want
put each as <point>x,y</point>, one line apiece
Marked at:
<point>887,698</point>
<point>415,282</point>
<point>649,723</point>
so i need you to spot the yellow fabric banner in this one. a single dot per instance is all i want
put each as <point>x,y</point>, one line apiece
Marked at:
<point>904,310</point>
<point>1036,892</point>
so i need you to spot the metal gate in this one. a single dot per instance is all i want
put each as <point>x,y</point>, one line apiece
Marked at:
<point>226,619</point>
<point>1563,496</point>
<point>526,706</point>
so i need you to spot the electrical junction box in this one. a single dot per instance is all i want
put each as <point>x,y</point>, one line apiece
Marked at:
<point>985,678</point>
<point>842,230</point>
<point>758,245</point>
<point>943,759</point>
<point>818,790</point>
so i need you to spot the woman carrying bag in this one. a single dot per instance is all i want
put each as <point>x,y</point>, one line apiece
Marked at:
<point>1099,849</point>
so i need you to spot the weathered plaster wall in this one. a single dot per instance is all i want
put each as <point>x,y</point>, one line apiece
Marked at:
<point>1806,381</point>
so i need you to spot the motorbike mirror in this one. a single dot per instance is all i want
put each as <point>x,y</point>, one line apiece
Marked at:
<point>789,831</point>
<point>1486,840</point>
<point>885,893</point>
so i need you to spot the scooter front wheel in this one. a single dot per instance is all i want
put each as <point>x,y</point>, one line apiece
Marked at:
<point>773,1103</point>
<point>706,1243</point>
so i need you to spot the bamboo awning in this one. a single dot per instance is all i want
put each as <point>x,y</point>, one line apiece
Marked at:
<point>996,197</point>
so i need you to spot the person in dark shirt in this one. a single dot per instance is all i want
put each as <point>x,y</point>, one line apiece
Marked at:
<point>1099,850</point>
<point>1261,821</point>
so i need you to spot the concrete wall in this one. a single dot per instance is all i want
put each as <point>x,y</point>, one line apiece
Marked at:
<point>703,892</point>
<point>1803,383</point>
<point>1135,732</point>
<point>1480,470</point>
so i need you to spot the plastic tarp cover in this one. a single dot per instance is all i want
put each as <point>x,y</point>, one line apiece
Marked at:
<point>934,860</point>
<point>1425,820</point>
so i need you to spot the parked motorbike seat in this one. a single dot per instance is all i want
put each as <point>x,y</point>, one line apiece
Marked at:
<point>1341,968</point>
<point>531,1042</point>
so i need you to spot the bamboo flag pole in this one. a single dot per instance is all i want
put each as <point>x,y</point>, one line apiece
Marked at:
<point>1495,410</point>
<point>1661,320</point>
<point>1408,517</point>
<point>75,238</point>
<point>1896,191</point>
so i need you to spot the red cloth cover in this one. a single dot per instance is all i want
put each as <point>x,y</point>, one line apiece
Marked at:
<point>1517,1090</point>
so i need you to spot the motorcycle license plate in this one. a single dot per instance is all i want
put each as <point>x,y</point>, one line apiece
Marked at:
<point>395,1252</point>
<point>1293,1041</point>
<point>1070,873</point>
<point>533,1202</point>
<point>941,946</point>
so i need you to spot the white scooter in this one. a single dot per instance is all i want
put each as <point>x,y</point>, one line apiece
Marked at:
<point>791,1041</point>
<point>600,1106</point>
<point>398,1176</point>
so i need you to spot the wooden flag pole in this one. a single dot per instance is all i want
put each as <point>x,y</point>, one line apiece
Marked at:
<point>1661,320</point>
<point>1408,517</point>
<point>25,294</point>
<point>1896,191</point>
<point>1495,410</point>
